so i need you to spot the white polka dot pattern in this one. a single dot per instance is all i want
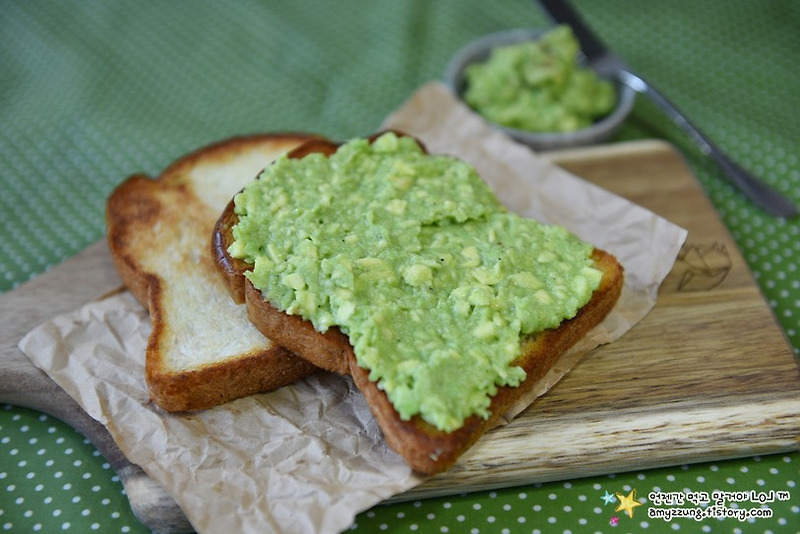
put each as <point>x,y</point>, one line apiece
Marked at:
<point>579,505</point>
<point>52,478</point>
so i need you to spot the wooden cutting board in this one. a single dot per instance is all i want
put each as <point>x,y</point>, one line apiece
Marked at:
<point>707,375</point>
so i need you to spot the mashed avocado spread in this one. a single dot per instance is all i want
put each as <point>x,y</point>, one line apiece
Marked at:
<point>414,258</point>
<point>538,86</point>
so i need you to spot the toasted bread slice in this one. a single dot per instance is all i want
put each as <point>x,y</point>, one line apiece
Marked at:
<point>202,350</point>
<point>426,449</point>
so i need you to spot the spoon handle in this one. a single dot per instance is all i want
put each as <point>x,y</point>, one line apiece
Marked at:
<point>760,193</point>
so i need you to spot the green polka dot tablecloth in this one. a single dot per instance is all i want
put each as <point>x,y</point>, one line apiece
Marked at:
<point>93,91</point>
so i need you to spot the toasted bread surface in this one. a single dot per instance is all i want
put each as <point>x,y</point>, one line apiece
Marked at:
<point>426,449</point>
<point>202,351</point>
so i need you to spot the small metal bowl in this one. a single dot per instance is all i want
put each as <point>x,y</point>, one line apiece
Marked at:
<point>478,51</point>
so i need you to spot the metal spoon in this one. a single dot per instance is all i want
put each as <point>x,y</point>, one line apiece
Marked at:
<point>608,64</point>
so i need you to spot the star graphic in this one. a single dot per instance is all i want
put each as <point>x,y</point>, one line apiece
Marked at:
<point>627,503</point>
<point>608,498</point>
<point>614,521</point>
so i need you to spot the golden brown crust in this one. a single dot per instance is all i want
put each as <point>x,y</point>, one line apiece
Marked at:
<point>327,351</point>
<point>154,229</point>
<point>429,450</point>
<point>123,206</point>
<point>228,149</point>
<point>232,269</point>
<point>426,449</point>
<point>213,385</point>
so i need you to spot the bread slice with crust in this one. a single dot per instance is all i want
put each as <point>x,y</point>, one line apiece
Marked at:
<point>202,351</point>
<point>426,449</point>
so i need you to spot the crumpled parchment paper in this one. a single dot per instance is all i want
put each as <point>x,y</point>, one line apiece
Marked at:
<point>309,457</point>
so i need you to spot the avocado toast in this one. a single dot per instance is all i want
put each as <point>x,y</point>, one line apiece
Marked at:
<point>416,282</point>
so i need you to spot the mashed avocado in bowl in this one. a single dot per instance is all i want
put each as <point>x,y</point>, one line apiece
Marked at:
<point>532,85</point>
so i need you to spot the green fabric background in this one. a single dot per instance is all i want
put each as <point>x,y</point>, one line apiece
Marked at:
<point>91,92</point>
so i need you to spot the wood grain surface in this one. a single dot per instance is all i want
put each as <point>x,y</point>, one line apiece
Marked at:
<point>71,284</point>
<point>707,375</point>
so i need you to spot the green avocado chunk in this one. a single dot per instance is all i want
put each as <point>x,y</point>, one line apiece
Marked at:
<point>415,260</point>
<point>538,86</point>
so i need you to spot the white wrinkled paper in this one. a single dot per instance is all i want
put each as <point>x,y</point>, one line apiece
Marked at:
<point>309,457</point>
<point>305,458</point>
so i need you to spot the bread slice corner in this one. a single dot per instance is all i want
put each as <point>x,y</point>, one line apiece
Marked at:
<point>202,351</point>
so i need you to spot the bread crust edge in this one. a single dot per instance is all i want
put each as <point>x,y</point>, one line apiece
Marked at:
<point>426,449</point>
<point>129,205</point>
